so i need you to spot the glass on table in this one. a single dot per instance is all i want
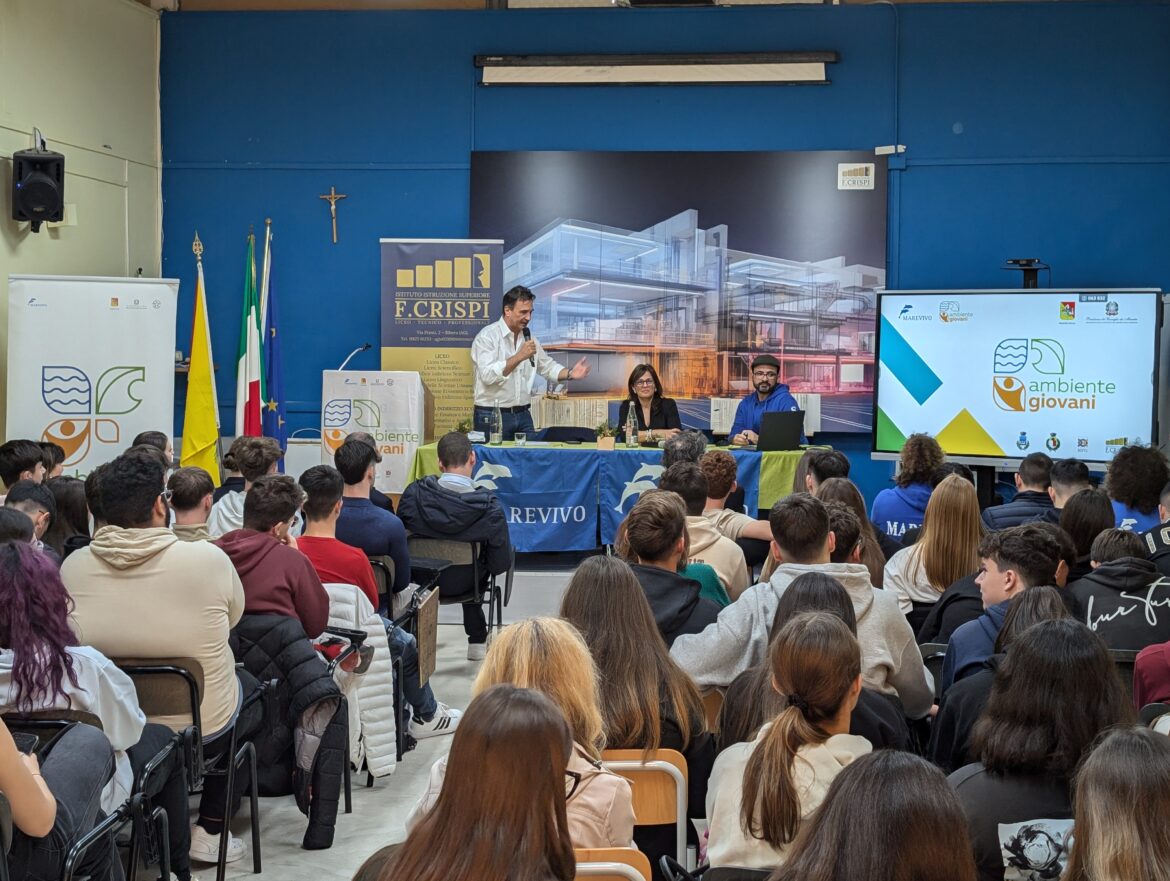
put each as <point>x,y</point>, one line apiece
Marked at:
<point>521,438</point>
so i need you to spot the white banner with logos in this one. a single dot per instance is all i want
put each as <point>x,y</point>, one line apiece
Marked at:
<point>91,362</point>
<point>389,405</point>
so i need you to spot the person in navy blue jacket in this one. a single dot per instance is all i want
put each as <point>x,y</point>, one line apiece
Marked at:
<point>896,509</point>
<point>771,396</point>
<point>1032,502</point>
<point>1013,560</point>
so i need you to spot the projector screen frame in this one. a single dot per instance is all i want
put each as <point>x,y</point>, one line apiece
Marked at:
<point>1000,462</point>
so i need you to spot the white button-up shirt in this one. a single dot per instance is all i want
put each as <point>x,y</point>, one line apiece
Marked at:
<point>492,347</point>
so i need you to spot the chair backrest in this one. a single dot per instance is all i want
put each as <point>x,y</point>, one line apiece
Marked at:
<point>659,787</point>
<point>1125,659</point>
<point>613,864</point>
<point>384,574</point>
<point>736,873</point>
<point>933,655</point>
<point>52,719</point>
<point>170,688</point>
<point>459,553</point>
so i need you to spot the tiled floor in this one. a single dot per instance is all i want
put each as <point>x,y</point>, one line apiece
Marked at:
<point>379,814</point>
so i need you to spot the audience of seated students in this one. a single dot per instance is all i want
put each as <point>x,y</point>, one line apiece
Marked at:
<point>1121,795</point>
<point>750,700</point>
<point>21,460</point>
<point>1056,690</point>
<point>647,701</point>
<point>1124,600</point>
<point>502,814</point>
<point>964,702</point>
<point>805,541</point>
<point>720,470</point>
<point>157,439</point>
<point>71,522</point>
<point>233,481</point>
<point>876,547</point>
<point>56,803</point>
<point>888,816</point>
<point>1157,539</point>
<point>451,506</point>
<point>705,544</point>
<point>653,539</point>
<point>945,552</point>
<point>35,500</point>
<point>15,526</point>
<point>686,446</point>
<point>191,492</point>
<point>277,578</point>
<point>1151,675</point>
<point>379,498</point>
<point>548,655</point>
<point>362,524</point>
<point>43,668</point>
<point>762,792</point>
<point>254,457</point>
<point>1134,483</point>
<point>338,563</point>
<point>898,508</point>
<point>1066,478</point>
<point>1085,515</point>
<point>139,592</point>
<point>941,473</point>
<point>1011,560</point>
<point>1032,501</point>
<point>53,456</point>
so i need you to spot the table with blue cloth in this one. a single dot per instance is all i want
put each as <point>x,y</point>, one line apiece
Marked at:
<point>572,497</point>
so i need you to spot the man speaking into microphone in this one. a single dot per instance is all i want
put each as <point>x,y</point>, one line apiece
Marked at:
<point>506,358</point>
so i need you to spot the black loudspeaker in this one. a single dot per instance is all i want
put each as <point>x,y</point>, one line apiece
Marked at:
<point>38,186</point>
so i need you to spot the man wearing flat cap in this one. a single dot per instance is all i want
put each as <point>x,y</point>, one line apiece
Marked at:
<point>770,396</point>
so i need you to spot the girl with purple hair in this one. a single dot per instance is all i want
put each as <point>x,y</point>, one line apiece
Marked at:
<point>42,667</point>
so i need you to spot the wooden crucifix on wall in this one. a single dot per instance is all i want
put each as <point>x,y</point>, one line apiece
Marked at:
<point>333,197</point>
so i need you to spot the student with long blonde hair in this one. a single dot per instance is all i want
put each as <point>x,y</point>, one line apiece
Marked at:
<point>548,655</point>
<point>501,816</point>
<point>1122,800</point>
<point>946,550</point>
<point>761,792</point>
<point>647,701</point>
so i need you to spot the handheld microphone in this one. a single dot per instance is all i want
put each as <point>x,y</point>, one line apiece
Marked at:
<point>527,337</point>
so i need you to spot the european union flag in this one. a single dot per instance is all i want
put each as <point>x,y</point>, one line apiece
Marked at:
<point>274,408</point>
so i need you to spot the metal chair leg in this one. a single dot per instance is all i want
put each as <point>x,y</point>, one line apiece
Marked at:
<point>254,805</point>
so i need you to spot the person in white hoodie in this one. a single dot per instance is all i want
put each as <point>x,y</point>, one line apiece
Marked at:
<point>140,592</point>
<point>761,793</point>
<point>254,457</point>
<point>803,541</point>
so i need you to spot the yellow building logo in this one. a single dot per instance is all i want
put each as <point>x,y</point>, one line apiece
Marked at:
<point>468,273</point>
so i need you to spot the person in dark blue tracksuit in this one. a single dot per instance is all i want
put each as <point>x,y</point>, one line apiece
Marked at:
<point>900,507</point>
<point>770,396</point>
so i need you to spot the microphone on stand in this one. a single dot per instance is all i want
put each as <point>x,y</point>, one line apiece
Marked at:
<point>349,357</point>
<point>527,337</point>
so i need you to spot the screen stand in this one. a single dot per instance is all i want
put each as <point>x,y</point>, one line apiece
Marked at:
<point>985,485</point>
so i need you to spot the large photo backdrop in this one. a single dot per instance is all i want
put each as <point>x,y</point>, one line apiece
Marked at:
<point>696,262</point>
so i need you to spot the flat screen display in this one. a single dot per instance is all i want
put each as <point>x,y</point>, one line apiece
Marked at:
<point>1001,374</point>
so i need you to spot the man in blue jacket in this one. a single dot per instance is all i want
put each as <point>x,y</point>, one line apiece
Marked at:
<point>1032,501</point>
<point>771,396</point>
<point>1012,560</point>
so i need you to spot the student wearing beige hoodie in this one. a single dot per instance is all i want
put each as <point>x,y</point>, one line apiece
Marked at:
<point>804,542</point>
<point>140,592</point>
<point>704,541</point>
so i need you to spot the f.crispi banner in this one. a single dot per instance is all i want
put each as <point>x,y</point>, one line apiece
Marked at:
<point>91,363</point>
<point>436,295</point>
<point>390,406</point>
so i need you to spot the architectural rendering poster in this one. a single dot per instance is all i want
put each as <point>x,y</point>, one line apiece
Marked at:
<point>697,263</point>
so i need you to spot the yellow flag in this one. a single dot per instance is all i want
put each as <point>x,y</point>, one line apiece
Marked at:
<point>201,412</point>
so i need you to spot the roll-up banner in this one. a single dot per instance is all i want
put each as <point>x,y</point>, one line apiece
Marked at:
<point>91,363</point>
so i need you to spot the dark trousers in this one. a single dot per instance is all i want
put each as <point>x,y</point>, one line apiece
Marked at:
<point>248,724</point>
<point>168,791</point>
<point>474,622</point>
<point>79,766</point>
<point>484,419</point>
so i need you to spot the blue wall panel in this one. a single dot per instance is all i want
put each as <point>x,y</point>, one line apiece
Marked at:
<point>1031,130</point>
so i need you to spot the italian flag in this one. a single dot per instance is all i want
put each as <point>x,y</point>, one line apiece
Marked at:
<point>249,377</point>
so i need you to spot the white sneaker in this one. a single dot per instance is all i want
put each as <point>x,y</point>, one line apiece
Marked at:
<point>476,651</point>
<point>445,721</point>
<point>205,846</point>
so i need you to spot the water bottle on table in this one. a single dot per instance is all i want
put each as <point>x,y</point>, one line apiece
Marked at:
<point>497,433</point>
<point>631,427</point>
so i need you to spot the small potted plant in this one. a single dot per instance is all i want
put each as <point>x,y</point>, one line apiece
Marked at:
<point>605,436</point>
<point>463,426</point>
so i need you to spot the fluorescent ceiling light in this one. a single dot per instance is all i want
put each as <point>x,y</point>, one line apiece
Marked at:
<point>593,70</point>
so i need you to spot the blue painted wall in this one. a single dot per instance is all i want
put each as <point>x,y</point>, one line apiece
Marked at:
<point>1031,130</point>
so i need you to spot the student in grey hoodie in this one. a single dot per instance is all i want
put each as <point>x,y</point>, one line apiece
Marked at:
<point>804,541</point>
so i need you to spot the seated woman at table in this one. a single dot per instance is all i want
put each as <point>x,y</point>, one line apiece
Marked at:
<point>657,417</point>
